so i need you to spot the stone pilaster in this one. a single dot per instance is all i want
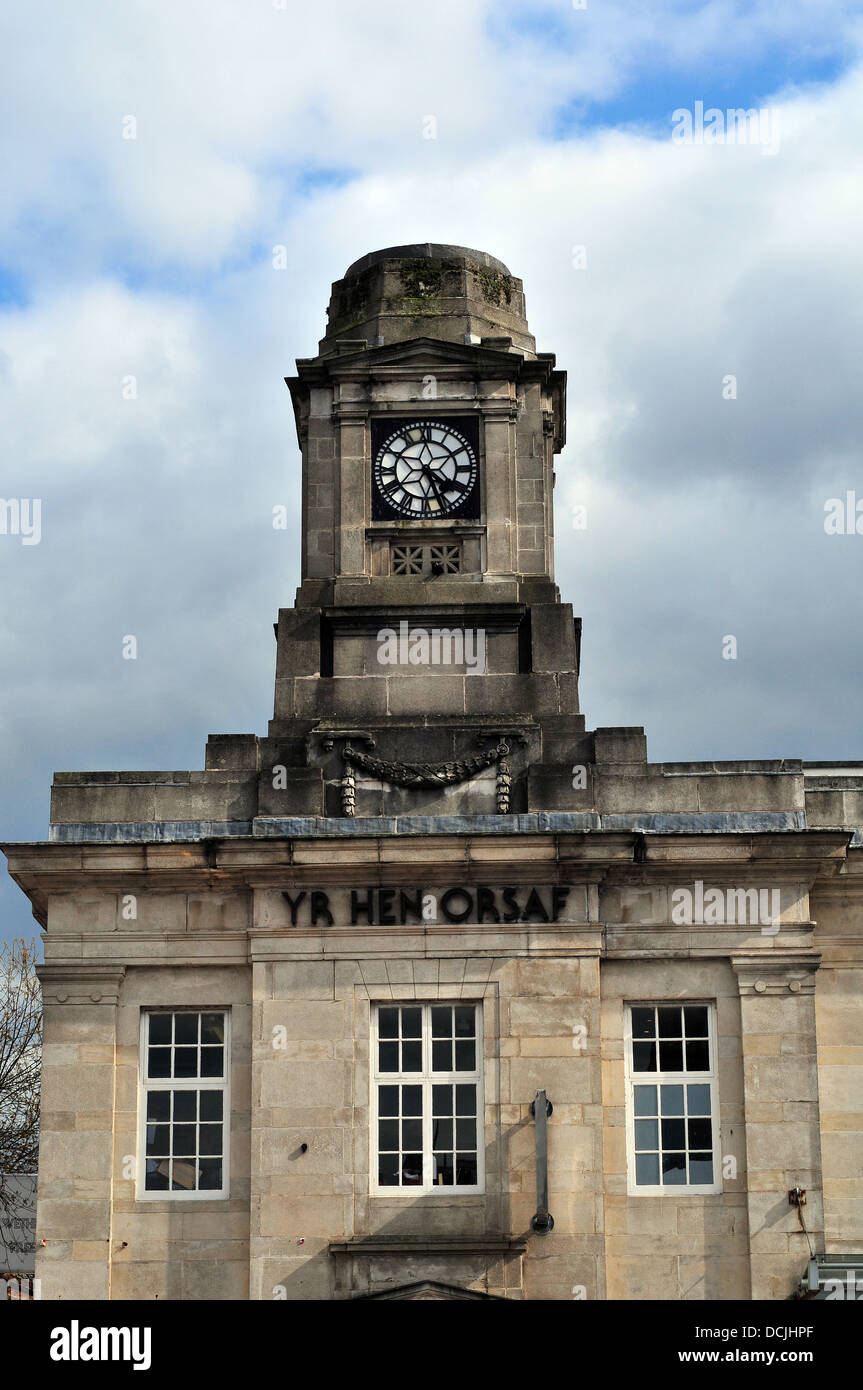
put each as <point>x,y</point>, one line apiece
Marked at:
<point>77,1122</point>
<point>780,1084</point>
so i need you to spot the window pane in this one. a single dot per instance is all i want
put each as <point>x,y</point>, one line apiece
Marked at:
<point>185,1105</point>
<point>184,1175</point>
<point>184,1141</point>
<point>673,1169</point>
<point>388,1056</point>
<point>669,1023</point>
<point>411,1023</point>
<point>672,1100</point>
<point>701,1167</point>
<point>154,1180</point>
<point>647,1169</point>
<point>646,1134</point>
<point>158,1140</point>
<point>645,1100</point>
<point>388,1023</point>
<point>186,1028</point>
<point>412,1100</point>
<point>465,1170</point>
<point>442,1137</point>
<point>698,1100</point>
<point>465,1022</point>
<point>210,1174</point>
<point>465,1134</point>
<point>159,1105</point>
<point>210,1141</point>
<point>159,1061</point>
<point>412,1056</point>
<point>442,1099</point>
<point>700,1134</point>
<point>671,1056</point>
<point>673,1134</point>
<point>388,1100</point>
<point>696,1020</point>
<point>441,1023</point>
<point>465,1056</point>
<point>644,1056</point>
<point>442,1056</point>
<point>212,1028</point>
<point>211,1105</point>
<point>212,1061</point>
<point>412,1134</point>
<point>185,1061</point>
<point>412,1170</point>
<point>388,1170</point>
<point>465,1100</point>
<point>160,1028</point>
<point>388,1135</point>
<point>698,1056</point>
<point>643,1023</point>
<point>444,1171</point>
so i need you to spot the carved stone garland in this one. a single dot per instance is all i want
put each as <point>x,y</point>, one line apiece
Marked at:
<point>426,774</point>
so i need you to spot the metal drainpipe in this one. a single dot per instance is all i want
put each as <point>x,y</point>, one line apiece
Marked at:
<point>540,1108</point>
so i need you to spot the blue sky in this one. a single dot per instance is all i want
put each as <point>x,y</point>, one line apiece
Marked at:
<point>258,127</point>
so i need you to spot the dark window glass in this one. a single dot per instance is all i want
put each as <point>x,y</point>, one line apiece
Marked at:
<point>388,1100</point>
<point>673,1134</point>
<point>442,1099</point>
<point>673,1169</point>
<point>212,1061</point>
<point>465,1022</point>
<point>442,1056</point>
<point>441,1023</point>
<point>465,1134</point>
<point>388,1023</point>
<point>412,1170</point>
<point>185,1105</point>
<point>643,1023</point>
<point>466,1170</point>
<point>644,1056</point>
<point>160,1028</point>
<point>186,1028</point>
<point>671,1056</point>
<point>210,1174</point>
<point>442,1134</point>
<point>696,1020</point>
<point>159,1061</point>
<point>184,1141</point>
<point>700,1134</point>
<point>444,1169</point>
<point>465,1056</point>
<point>388,1056</point>
<point>158,1139</point>
<point>212,1028</point>
<point>211,1139</point>
<point>411,1023</point>
<point>388,1170</point>
<point>388,1135</point>
<point>154,1180</point>
<point>412,1100</point>
<point>412,1134</point>
<point>211,1105</point>
<point>186,1061</point>
<point>465,1100</point>
<point>159,1105</point>
<point>698,1056</point>
<point>669,1023</point>
<point>412,1056</point>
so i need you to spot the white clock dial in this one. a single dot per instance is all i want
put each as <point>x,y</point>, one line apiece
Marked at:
<point>425,470</point>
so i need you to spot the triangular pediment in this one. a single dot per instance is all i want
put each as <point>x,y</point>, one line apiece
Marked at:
<point>431,1290</point>
<point>425,351</point>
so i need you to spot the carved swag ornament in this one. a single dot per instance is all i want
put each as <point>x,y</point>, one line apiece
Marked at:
<point>426,774</point>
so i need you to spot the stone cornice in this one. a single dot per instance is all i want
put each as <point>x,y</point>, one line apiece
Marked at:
<point>775,972</point>
<point>80,984</point>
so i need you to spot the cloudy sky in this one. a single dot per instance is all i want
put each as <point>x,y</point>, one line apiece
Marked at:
<point>155,153</point>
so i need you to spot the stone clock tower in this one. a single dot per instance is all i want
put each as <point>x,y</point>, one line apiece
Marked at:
<point>430,992</point>
<point>428,629</point>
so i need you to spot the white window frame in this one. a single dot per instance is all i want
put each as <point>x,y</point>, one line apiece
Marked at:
<point>659,1078</point>
<point>166,1083</point>
<point>428,1078</point>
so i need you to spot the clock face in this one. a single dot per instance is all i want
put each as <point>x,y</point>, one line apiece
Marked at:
<point>425,469</point>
